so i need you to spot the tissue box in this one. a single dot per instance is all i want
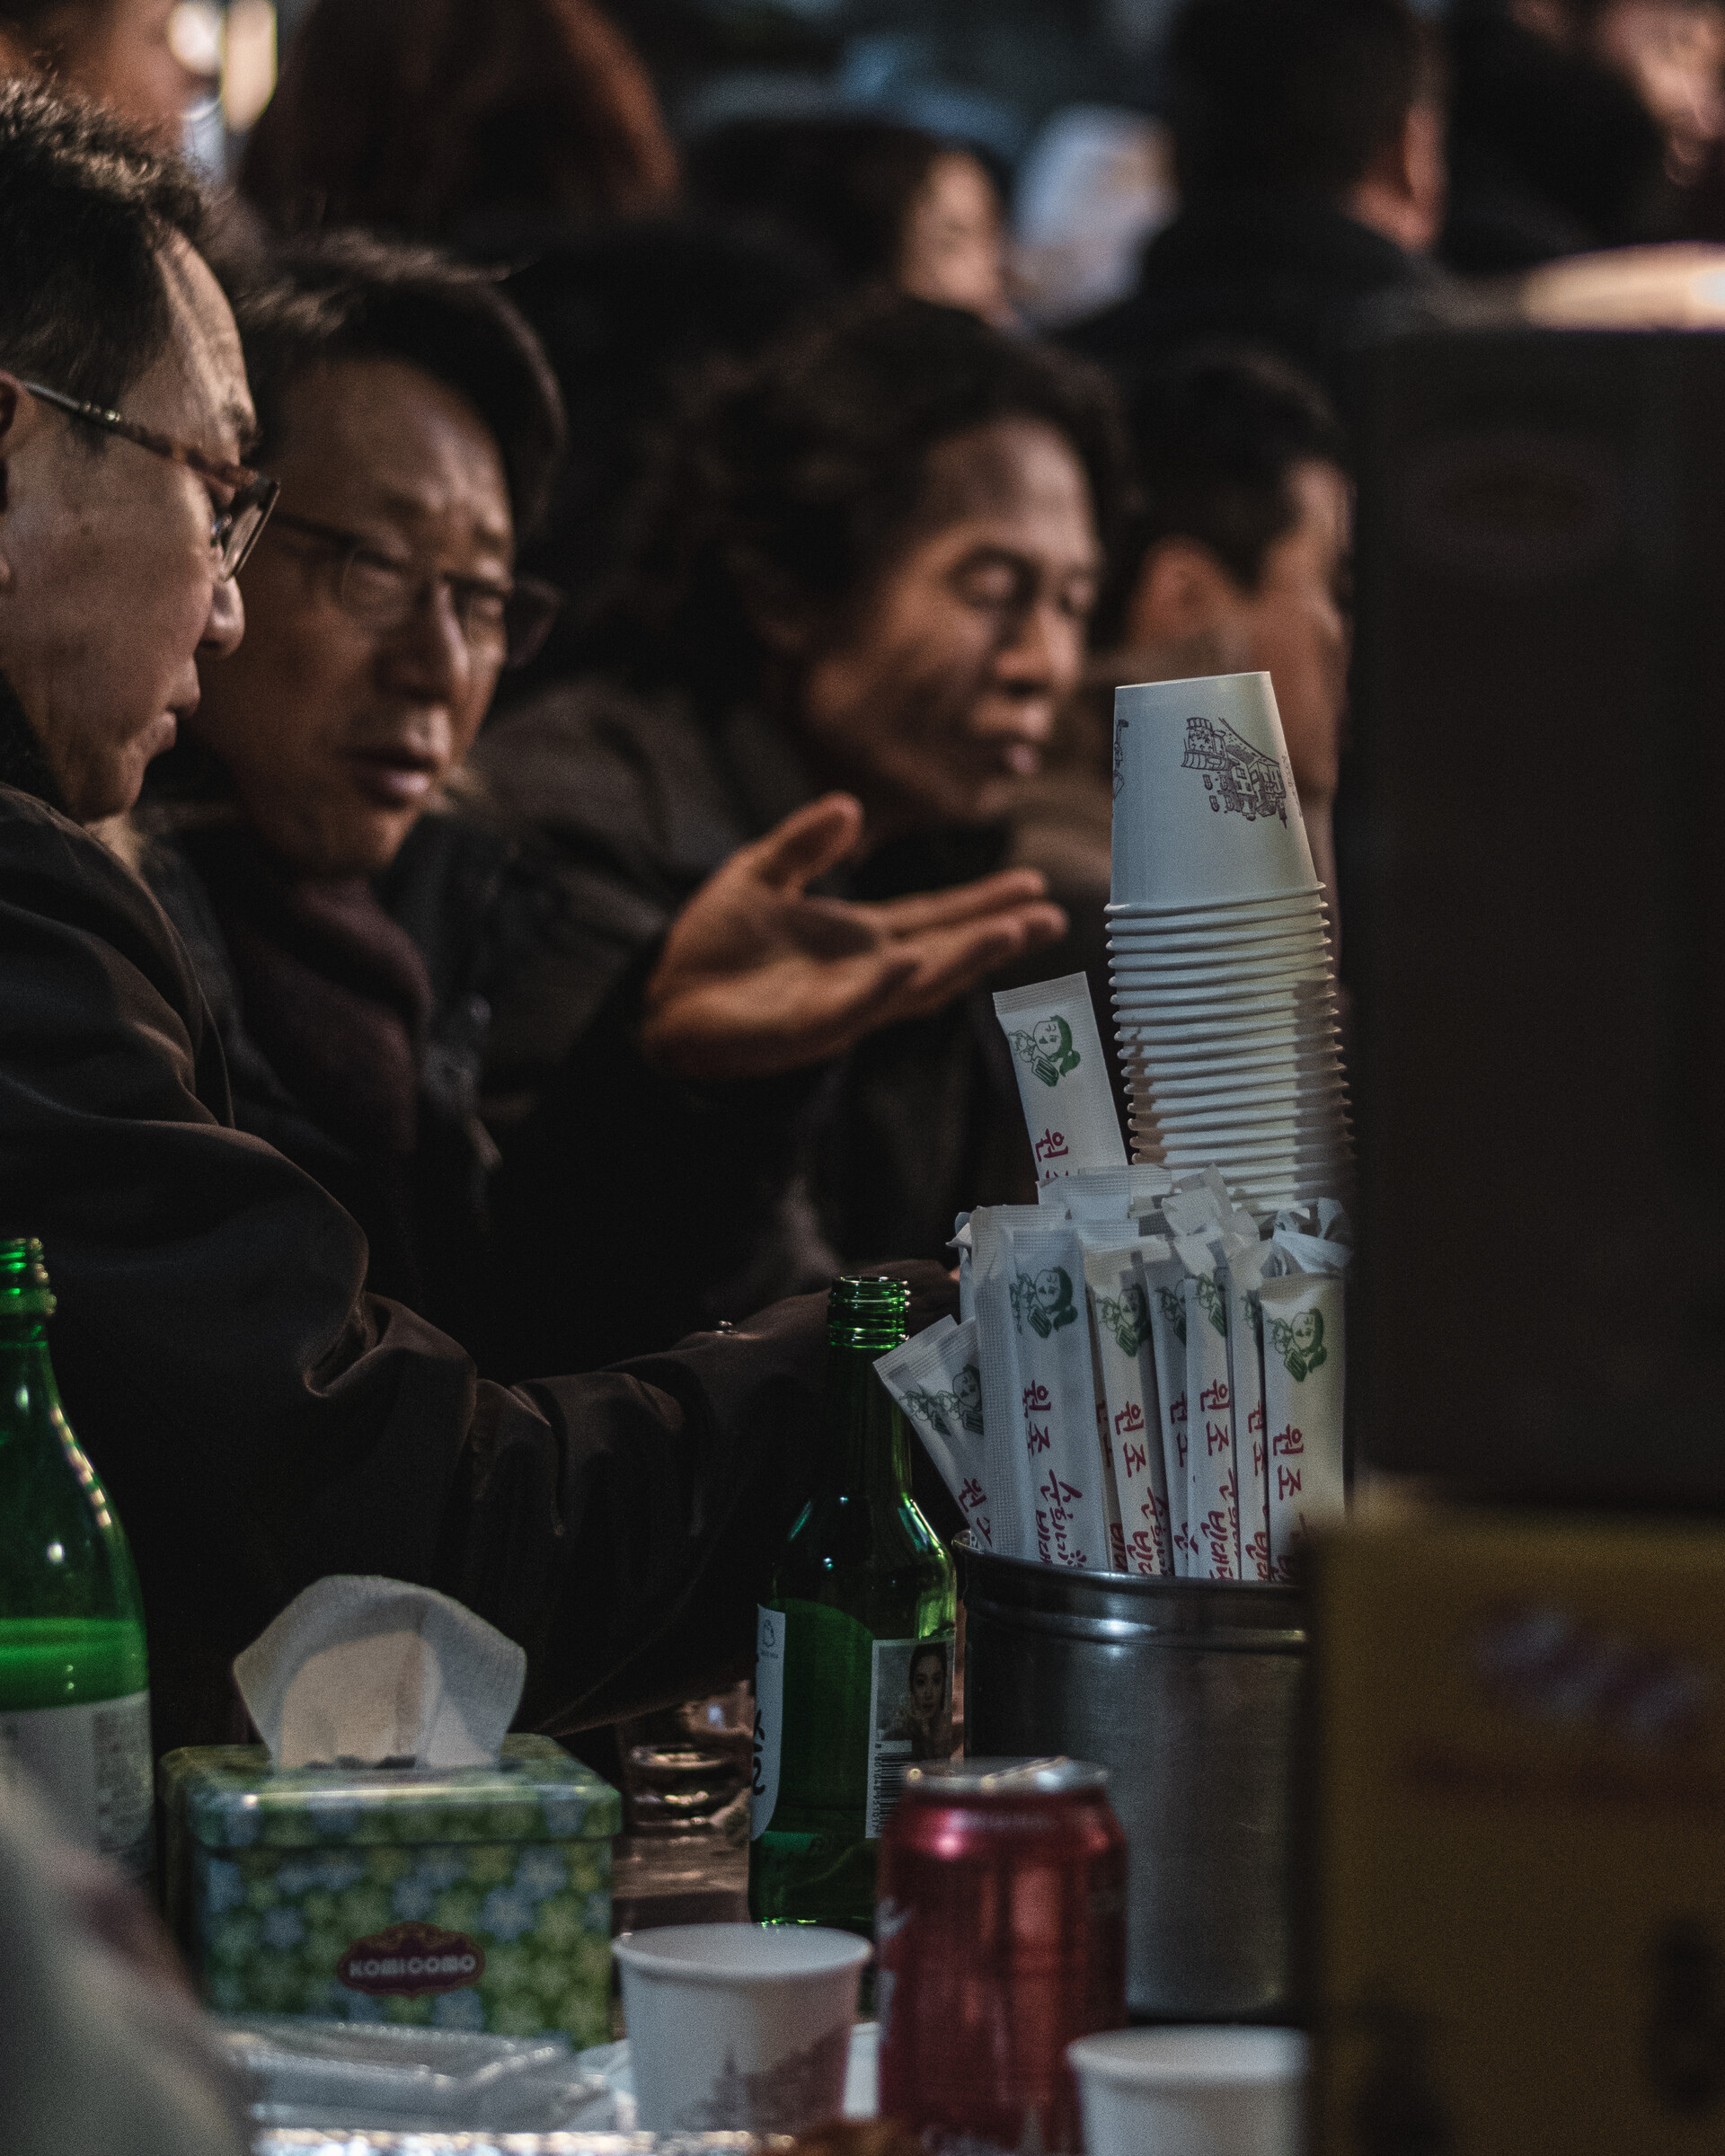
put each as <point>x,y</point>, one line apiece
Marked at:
<point>1519,1769</point>
<point>465,1897</point>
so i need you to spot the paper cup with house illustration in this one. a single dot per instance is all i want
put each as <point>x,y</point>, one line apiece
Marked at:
<point>1205,807</point>
<point>739,2027</point>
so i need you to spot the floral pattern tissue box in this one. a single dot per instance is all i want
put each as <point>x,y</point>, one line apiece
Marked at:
<point>468,1898</point>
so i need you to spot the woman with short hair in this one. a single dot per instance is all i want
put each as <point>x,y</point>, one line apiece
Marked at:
<point>870,566</point>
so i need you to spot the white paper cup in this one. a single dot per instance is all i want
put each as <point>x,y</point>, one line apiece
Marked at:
<point>1205,806</point>
<point>1300,957</point>
<point>1158,987</point>
<point>1263,1003</point>
<point>1190,951</point>
<point>744,2026</point>
<point>1196,1059</point>
<point>1190,2091</point>
<point>1139,1019</point>
<point>1251,917</point>
<point>1126,913</point>
<point>1247,1141</point>
<point>1177,1089</point>
<point>1229,1125</point>
<point>1147,1031</point>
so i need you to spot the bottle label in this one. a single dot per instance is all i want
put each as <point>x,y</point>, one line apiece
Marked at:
<point>91,1767</point>
<point>910,1717</point>
<point>769,1717</point>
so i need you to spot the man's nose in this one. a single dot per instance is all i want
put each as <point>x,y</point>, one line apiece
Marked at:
<point>226,622</point>
<point>427,656</point>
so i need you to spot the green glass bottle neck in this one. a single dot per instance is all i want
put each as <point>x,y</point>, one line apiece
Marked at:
<point>23,1342</point>
<point>867,1453</point>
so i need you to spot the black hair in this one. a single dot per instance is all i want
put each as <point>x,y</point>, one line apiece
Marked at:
<point>787,493</point>
<point>85,210</point>
<point>437,119</point>
<point>926,1647</point>
<point>838,190</point>
<point>1293,94</point>
<point>1217,432</point>
<point>636,320</point>
<point>351,296</point>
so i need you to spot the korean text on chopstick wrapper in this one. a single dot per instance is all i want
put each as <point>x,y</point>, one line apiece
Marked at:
<point>1304,1349</point>
<point>1212,1483</point>
<point>936,1378</point>
<point>1063,1078</point>
<point>1008,1478</point>
<point>1058,1399</point>
<point>1240,1279</point>
<point>1125,1369</point>
<point>1164,1280</point>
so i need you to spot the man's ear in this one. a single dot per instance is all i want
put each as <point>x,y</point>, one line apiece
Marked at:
<point>1182,596</point>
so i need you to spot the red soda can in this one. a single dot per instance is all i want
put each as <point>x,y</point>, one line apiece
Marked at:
<point>1000,1935</point>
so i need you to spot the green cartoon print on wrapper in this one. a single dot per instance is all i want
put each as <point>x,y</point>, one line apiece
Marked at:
<point>1047,1048</point>
<point>1050,1305</point>
<point>1173,1307</point>
<point>1127,1317</point>
<point>930,1409</point>
<point>966,1398</point>
<point>947,1413</point>
<point>1210,1299</point>
<point>1045,1302</point>
<point>1299,1342</point>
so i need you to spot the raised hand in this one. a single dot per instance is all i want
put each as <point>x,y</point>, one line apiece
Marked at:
<point>759,977</point>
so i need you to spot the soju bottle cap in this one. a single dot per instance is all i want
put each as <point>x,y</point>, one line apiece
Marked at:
<point>867,1312</point>
<point>24,1292</point>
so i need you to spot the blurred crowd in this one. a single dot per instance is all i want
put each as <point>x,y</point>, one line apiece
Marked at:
<point>668,691</point>
<point>674,689</point>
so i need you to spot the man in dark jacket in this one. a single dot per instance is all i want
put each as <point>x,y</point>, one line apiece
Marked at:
<point>354,942</point>
<point>259,1420</point>
<point>1308,143</point>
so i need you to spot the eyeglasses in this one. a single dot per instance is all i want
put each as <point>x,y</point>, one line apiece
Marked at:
<point>234,527</point>
<point>507,622</point>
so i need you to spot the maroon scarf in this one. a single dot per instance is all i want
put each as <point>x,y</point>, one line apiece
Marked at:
<point>333,991</point>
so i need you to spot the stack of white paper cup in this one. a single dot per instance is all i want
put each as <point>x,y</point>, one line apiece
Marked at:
<point>1224,996</point>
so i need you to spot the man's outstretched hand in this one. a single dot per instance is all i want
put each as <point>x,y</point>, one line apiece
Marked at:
<point>757,977</point>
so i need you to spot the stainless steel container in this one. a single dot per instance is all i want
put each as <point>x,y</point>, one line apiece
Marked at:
<point>1187,1691</point>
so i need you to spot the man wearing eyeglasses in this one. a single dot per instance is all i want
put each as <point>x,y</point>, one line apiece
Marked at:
<point>259,1419</point>
<point>352,941</point>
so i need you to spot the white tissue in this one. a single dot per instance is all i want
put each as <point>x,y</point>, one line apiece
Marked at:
<point>365,1671</point>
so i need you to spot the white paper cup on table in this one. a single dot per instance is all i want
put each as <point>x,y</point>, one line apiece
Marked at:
<point>1302,958</point>
<point>1306,962</point>
<point>1220,1107</point>
<point>1242,1080</point>
<point>739,2027</point>
<point>1205,806</point>
<point>1127,941</point>
<point>1185,1059</point>
<point>1191,2091</point>
<point>1129,912</point>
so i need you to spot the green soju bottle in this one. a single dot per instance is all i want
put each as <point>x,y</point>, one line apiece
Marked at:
<point>854,1662</point>
<point>75,1702</point>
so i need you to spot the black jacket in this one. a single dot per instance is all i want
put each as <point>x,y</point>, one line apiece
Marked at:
<point>1551,152</point>
<point>642,800</point>
<point>260,1421</point>
<point>1291,272</point>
